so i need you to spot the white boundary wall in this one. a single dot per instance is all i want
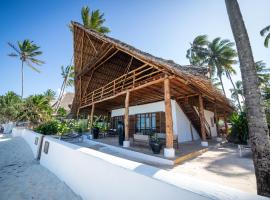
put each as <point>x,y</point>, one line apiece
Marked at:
<point>30,137</point>
<point>96,175</point>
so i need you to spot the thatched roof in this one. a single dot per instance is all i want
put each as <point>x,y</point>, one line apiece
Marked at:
<point>195,76</point>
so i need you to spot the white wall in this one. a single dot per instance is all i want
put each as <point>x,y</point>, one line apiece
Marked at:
<point>30,137</point>
<point>208,115</point>
<point>181,124</point>
<point>146,108</point>
<point>95,175</point>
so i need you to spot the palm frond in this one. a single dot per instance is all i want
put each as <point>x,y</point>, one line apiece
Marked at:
<point>32,67</point>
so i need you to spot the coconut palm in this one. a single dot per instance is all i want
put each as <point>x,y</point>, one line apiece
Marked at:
<point>266,31</point>
<point>68,80</point>
<point>198,50</point>
<point>237,91</point>
<point>27,52</point>
<point>94,21</point>
<point>257,124</point>
<point>263,74</point>
<point>219,55</point>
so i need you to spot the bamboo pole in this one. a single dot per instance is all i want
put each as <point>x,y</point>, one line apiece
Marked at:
<point>126,116</point>
<point>225,123</point>
<point>201,113</point>
<point>168,114</point>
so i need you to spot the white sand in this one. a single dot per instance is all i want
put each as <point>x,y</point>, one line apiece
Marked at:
<point>223,166</point>
<point>21,177</point>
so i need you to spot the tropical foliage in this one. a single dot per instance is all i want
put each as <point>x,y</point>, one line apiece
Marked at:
<point>218,54</point>
<point>95,20</point>
<point>36,109</point>
<point>239,130</point>
<point>67,74</point>
<point>10,107</point>
<point>27,52</point>
<point>266,32</point>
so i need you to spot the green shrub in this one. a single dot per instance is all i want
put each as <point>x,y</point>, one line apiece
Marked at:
<point>239,130</point>
<point>53,127</point>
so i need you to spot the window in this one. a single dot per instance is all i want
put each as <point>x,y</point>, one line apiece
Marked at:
<point>145,123</point>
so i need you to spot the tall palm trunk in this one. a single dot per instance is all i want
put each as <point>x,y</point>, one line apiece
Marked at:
<point>258,130</point>
<point>22,79</point>
<point>237,95</point>
<point>220,78</point>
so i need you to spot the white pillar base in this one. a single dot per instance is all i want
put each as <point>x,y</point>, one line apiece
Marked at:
<point>204,143</point>
<point>126,143</point>
<point>219,139</point>
<point>169,152</point>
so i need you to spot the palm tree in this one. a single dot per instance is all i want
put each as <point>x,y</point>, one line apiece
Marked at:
<point>258,130</point>
<point>50,95</point>
<point>263,74</point>
<point>219,55</point>
<point>94,21</point>
<point>237,91</point>
<point>198,50</point>
<point>68,80</point>
<point>27,52</point>
<point>229,71</point>
<point>267,38</point>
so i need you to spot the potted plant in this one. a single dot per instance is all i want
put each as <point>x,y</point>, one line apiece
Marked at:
<point>95,127</point>
<point>155,144</point>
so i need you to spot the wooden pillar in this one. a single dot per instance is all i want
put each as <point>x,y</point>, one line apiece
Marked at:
<point>168,114</point>
<point>201,113</point>
<point>216,120</point>
<point>92,116</point>
<point>225,123</point>
<point>126,115</point>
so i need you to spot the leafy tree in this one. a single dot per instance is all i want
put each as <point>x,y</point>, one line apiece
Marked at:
<point>10,106</point>
<point>266,31</point>
<point>27,52</point>
<point>257,125</point>
<point>237,91</point>
<point>50,95</point>
<point>36,109</point>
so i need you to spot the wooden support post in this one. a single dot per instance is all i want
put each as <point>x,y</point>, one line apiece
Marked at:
<point>126,142</point>
<point>126,115</point>
<point>225,123</point>
<point>201,113</point>
<point>168,114</point>
<point>216,120</point>
<point>92,115</point>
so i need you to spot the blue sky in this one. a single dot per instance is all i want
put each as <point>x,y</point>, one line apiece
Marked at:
<point>162,28</point>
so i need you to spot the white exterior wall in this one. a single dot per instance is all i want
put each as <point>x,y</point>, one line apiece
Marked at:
<point>181,124</point>
<point>208,115</point>
<point>30,137</point>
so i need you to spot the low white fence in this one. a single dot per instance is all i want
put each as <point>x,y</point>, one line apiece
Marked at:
<point>33,139</point>
<point>96,175</point>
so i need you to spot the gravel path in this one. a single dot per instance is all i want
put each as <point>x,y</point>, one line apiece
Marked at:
<point>21,177</point>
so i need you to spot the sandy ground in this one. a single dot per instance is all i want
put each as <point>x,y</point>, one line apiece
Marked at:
<point>223,166</point>
<point>21,177</point>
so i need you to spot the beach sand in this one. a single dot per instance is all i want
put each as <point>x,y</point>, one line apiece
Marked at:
<point>22,177</point>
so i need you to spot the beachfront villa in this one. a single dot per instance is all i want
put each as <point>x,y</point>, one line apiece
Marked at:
<point>148,94</point>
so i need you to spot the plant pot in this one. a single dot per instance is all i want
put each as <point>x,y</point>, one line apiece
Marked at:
<point>95,132</point>
<point>156,147</point>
